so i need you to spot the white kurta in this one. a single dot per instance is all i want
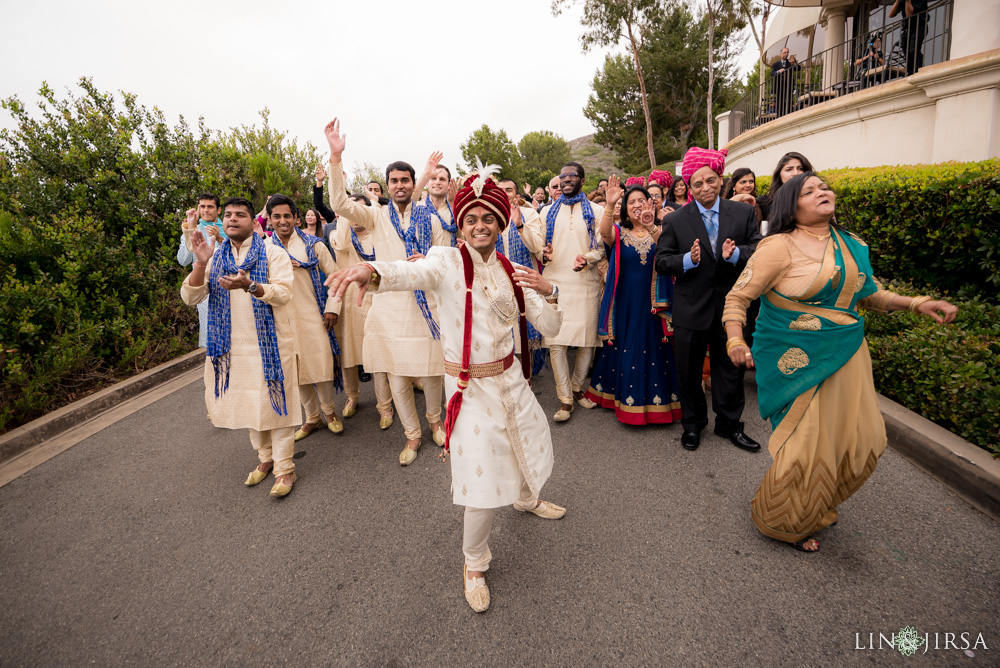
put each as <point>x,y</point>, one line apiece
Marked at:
<point>247,404</point>
<point>350,329</point>
<point>314,357</point>
<point>397,338</point>
<point>579,291</point>
<point>501,437</point>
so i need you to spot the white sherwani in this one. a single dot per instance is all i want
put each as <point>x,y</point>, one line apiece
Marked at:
<point>350,329</point>
<point>579,291</point>
<point>397,338</point>
<point>247,404</point>
<point>501,438</point>
<point>312,344</point>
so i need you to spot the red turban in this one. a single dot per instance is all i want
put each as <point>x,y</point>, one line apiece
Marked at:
<point>482,190</point>
<point>635,181</point>
<point>665,179</point>
<point>696,158</point>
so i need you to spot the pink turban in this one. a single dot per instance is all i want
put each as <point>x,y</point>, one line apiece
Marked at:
<point>665,179</point>
<point>635,181</point>
<point>696,158</point>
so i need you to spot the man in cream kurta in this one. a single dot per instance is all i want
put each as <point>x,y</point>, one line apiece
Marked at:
<point>398,339</point>
<point>316,365</point>
<point>500,442</point>
<point>247,403</point>
<point>350,327</point>
<point>571,258</point>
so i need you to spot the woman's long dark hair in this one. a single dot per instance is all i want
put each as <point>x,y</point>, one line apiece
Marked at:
<point>319,222</point>
<point>672,197</point>
<point>623,218</point>
<point>737,175</point>
<point>786,203</point>
<point>785,159</point>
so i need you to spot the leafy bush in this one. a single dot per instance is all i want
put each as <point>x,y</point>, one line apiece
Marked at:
<point>91,197</point>
<point>950,374</point>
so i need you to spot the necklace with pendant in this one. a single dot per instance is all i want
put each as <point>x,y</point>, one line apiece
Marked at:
<point>818,237</point>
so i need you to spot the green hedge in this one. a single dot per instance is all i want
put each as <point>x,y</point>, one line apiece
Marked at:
<point>950,374</point>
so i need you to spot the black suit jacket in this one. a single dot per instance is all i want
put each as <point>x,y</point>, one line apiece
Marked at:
<point>776,66</point>
<point>700,294</point>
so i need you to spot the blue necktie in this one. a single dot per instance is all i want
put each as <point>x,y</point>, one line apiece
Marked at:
<point>712,227</point>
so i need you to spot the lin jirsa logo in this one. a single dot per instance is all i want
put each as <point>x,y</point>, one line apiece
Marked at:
<point>909,641</point>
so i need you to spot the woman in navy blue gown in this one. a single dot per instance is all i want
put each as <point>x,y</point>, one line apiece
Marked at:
<point>634,373</point>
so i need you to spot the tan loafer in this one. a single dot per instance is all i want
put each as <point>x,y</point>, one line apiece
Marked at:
<point>581,398</point>
<point>546,510</point>
<point>385,422</point>
<point>279,490</point>
<point>350,408</point>
<point>256,477</point>
<point>302,432</point>
<point>563,413</point>
<point>407,457</point>
<point>479,596</point>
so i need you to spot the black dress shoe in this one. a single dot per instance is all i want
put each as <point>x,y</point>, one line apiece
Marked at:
<point>363,375</point>
<point>690,439</point>
<point>740,440</point>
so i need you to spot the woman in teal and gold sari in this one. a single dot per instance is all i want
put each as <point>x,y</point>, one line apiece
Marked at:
<point>814,375</point>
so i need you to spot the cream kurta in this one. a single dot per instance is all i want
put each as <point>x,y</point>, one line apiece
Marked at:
<point>312,344</point>
<point>247,404</point>
<point>397,338</point>
<point>350,329</point>
<point>501,437</point>
<point>579,291</point>
<point>532,233</point>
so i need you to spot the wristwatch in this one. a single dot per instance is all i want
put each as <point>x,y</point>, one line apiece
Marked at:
<point>555,294</point>
<point>252,288</point>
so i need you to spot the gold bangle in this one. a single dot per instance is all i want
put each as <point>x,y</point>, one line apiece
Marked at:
<point>734,342</point>
<point>916,302</point>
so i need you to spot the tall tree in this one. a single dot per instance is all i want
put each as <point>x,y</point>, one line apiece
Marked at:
<point>727,18</point>
<point>544,151</point>
<point>491,147</point>
<point>609,21</point>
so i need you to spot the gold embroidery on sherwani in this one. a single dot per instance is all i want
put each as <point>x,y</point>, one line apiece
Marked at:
<point>861,282</point>
<point>793,360</point>
<point>806,323</point>
<point>641,246</point>
<point>746,276</point>
<point>835,281</point>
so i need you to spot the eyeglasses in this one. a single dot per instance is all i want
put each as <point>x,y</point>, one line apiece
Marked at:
<point>567,177</point>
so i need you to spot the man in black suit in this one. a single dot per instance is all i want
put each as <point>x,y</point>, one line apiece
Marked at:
<point>706,245</point>
<point>781,76</point>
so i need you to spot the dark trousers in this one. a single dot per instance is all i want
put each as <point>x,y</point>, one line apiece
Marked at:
<point>727,379</point>
<point>912,37</point>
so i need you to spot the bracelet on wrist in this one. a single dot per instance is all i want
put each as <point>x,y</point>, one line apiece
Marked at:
<point>916,302</point>
<point>735,342</point>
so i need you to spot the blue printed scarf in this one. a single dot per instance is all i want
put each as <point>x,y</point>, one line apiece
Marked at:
<point>518,253</point>
<point>359,249</point>
<point>417,239</point>
<point>319,292</point>
<point>453,227</point>
<point>588,216</point>
<point>220,321</point>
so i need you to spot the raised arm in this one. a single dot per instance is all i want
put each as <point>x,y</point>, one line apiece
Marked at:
<point>531,231</point>
<point>359,214</point>
<point>318,202</point>
<point>404,275</point>
<point>613,193</point>
<point>429,169</point>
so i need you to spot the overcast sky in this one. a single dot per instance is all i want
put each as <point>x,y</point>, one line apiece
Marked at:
<point>405,78</point>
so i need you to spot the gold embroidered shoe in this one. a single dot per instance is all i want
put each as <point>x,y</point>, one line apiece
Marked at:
<point>407,457</point>
<point>336,426</point>
<point>280,490</point>
<point>350,408</point>
<point>302,432</point>
<point>563,413</point>
<point>585,402</point>
<point>479,596</point>
<point>385,422</point>
<point>256,477</point>
<point>439,437</point>
<point>546,510</point>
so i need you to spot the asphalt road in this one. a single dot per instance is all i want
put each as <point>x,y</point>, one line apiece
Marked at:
<point>141,546</point>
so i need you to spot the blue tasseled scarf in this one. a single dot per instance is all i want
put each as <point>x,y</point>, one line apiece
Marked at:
<point>417,239</point>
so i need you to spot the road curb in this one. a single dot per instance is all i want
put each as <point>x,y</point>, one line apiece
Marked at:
<point>51,425</point>
<point>969,470</point>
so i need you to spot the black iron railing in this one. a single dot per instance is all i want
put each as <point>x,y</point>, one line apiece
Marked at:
<point>868,60</point>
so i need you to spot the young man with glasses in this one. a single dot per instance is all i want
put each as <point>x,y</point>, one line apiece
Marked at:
<point>705,245</point>
<point>572,250</point>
